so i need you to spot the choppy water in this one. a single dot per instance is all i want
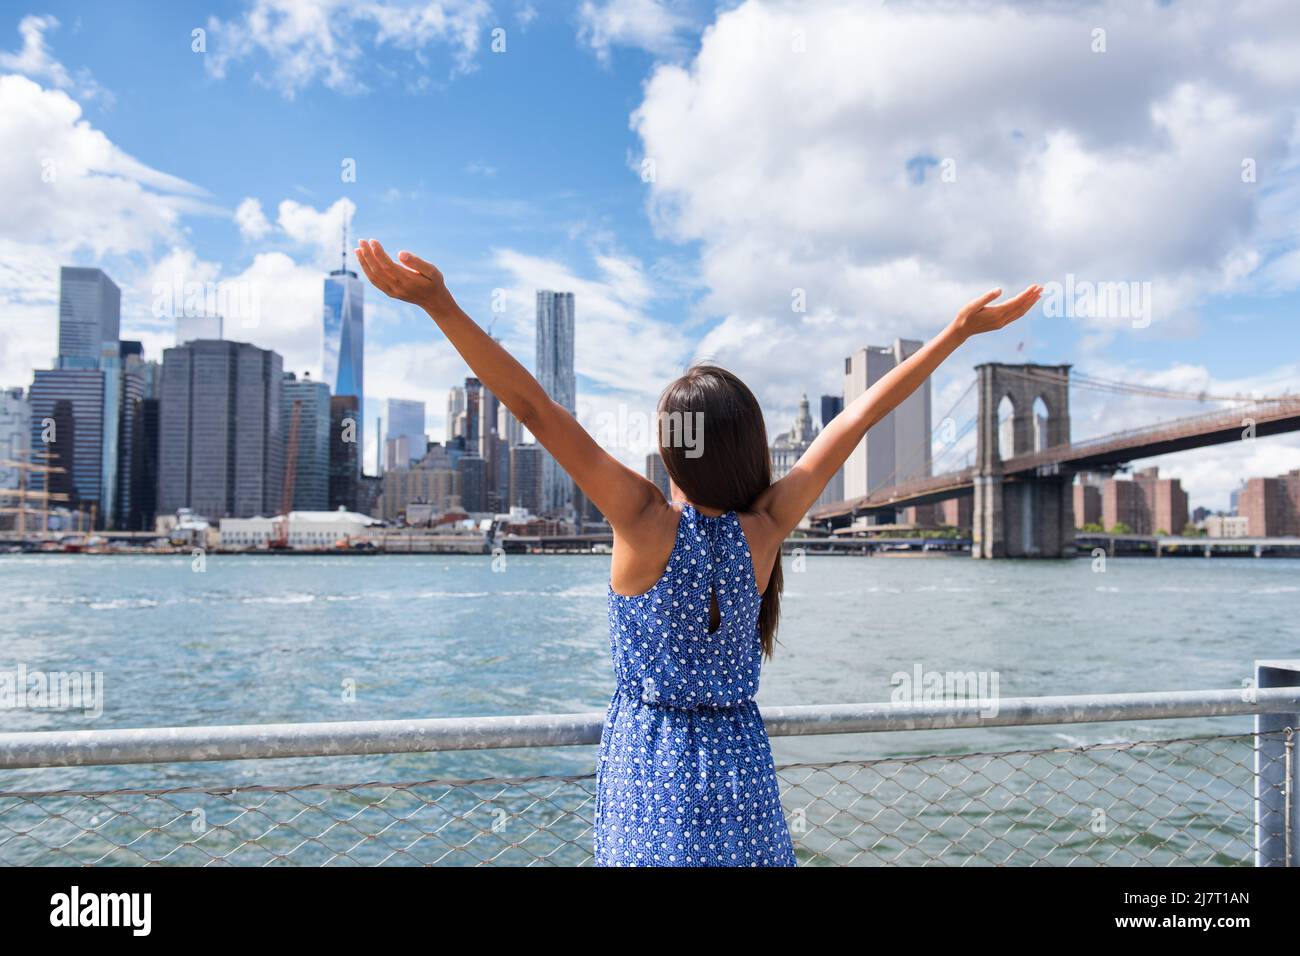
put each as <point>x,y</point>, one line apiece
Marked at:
<point>268,639</point>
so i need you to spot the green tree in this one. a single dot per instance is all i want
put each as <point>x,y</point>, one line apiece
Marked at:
<point>1119,527</point>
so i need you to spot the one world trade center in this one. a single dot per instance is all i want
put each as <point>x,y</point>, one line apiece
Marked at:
<point>343,344</point>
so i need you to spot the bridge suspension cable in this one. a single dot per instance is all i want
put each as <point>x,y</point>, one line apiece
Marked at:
<point>1097,383</point>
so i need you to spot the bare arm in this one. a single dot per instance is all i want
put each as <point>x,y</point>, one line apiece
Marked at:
<point>620,493</point>
<point>788,500</point>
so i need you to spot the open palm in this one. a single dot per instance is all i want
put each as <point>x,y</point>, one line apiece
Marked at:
<point>411,280</point>
<point>979,316</point>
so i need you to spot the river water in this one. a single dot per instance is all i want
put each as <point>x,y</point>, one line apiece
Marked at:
<point>256,639</point>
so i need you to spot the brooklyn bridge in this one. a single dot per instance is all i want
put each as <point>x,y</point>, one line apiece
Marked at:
<point>1023,502</point>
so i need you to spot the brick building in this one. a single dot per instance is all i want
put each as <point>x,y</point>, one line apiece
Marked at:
<point>1147,504</point>
<point>1087,505</point>
<point>1271,506</point>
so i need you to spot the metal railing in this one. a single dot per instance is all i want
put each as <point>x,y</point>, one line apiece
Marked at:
<point>1223,799</point>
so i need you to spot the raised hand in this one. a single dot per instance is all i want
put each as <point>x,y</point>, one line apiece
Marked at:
<point>978,316</point>
<point>411,280</point>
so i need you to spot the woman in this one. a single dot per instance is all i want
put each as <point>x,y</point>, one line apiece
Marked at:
<point>685,776</point>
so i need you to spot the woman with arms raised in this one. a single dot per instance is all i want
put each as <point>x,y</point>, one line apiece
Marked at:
<point>685,774</point>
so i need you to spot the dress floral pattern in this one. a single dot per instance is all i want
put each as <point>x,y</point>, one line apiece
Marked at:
<point>685,775</point>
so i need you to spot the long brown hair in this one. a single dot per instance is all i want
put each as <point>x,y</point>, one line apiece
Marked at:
<point>724,462</point>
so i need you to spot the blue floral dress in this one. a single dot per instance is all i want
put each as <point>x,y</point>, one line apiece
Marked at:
<point>685,776</point>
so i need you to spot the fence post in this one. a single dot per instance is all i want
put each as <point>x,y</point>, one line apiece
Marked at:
<point>1277,798</point>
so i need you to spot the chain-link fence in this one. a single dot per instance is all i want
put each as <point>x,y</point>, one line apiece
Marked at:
<point>1157,802</point>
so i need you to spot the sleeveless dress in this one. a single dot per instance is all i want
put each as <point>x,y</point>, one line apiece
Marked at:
<point>685,775</point>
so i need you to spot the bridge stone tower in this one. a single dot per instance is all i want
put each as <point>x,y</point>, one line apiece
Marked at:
<point>1022,514</point>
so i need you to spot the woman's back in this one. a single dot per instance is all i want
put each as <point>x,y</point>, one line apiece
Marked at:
<point>665,644</point>
<point>685,775</point>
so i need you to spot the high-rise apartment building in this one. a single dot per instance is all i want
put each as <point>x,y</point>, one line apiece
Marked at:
<point>1148,504</point>
<point>221,440</point>
<point>1271,506</point>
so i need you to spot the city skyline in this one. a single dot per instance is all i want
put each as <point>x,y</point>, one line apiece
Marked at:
<point>616,201</point>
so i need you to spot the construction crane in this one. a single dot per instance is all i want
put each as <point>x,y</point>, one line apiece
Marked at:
<point>280,530</point>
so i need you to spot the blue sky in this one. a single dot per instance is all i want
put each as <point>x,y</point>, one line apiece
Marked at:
<point>791,147</point>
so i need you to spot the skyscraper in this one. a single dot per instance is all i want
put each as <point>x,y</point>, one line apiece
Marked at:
<point>81,397</point>
<point>405,421</point>
<point>144,414</point>
<point>221,444</point>
<point>473,474</point>
<point>199,326</point>
<point>15,433</point>
<point>832,405</point>
<point>131,381</point>
<point>473,398</point>
<point>343,341</point>
<point>90,313</point>
<point>657,471</point>
<point>526,477</point>
<point>555,372</point>
<point>898,447</point>
<point>345,453</point>
<point>455,409</point>
<point>311,479</point>
<point>67,409</point>
<point>508,426</point>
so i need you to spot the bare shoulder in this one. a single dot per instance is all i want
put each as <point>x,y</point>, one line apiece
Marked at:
<point>765,538</point>
<point>641,551</point>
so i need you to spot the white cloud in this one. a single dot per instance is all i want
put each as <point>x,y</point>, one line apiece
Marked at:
<point>307,41</point>
<point>804,148</point>
<point>72,198</point>
<point>320,230</point>
<point>69,187</point>
<point>652,25</point>
<point>252,222</point>
<point>76,198</point>
<point>35,60</point>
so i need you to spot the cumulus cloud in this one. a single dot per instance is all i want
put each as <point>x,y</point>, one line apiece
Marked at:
<point>651,25</point>
<point>70,187</point>
<point>301,42</point>
<point>887,161</point>
<point>72,198</point>
<point>252,222</point>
